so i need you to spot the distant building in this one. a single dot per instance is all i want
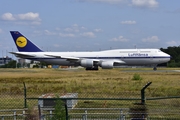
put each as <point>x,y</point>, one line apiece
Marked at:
<point>5,60</point>
<point>22,62</point>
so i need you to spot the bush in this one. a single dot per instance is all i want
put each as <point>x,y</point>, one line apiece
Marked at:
<point>136,77</point>
<point>59,112</point>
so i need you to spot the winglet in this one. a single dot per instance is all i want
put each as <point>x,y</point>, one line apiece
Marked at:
<point>23,44</point>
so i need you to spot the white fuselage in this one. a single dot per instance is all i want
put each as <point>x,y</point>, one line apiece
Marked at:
<point>128,56</point>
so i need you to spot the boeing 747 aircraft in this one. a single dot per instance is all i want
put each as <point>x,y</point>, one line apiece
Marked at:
<point>106,59</point>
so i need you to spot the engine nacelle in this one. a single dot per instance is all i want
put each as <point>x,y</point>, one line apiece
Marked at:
<point>87,63</point>
<point>107,65</point>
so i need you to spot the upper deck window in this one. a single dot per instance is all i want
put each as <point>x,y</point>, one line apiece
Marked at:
<point>145,51</point>
<point>128,51</point>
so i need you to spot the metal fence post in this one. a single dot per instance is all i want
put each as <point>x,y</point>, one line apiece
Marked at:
<point>24,113</point>
<point>25,102</point>
<point>50,112</point>
<point>2,118</point>
<point>143,93</point>
<point>84,117</point>
<point>66,109</point>
<point>14,115</point>
<point>85,114</point>
<point>39,110</point>
<point>121,117</point>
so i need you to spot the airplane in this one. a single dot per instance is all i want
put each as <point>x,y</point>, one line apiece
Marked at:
<point>106,59</point>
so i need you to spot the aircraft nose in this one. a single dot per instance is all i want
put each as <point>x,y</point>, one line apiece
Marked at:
<point>169,56</point>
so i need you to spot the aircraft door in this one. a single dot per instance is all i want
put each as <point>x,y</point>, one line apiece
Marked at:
<point>151,57</point>
<point>122,57</point>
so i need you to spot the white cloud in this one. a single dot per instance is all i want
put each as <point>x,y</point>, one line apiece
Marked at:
<point>151,39</point>
<point>120,39</point>
<point>83,28</point>
<point>68,29</point>
<point>8,16</point>
<point>88,34</point>
<point>137,3</point>
<point>145,3</point>
<point>128,22</point>
<point>172,43</point>
<point>73,31</point>
<point>47,32</point>
<point>66,35</point>
<point>74,28</point>
<point>75,25</point>
<point>36,23</point>
<point>36,32</point>
<point>1,30</point>
<point>30,16</point>
<point>103,1</point>
<point>98,30</point>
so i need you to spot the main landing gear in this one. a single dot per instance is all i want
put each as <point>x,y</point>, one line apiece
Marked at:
<point>92,68</point>
<point>154,68</point>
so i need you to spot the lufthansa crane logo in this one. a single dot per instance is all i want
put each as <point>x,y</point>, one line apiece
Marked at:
<point>21,42</point>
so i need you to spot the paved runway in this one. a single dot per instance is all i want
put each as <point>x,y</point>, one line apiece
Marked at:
<point>150,71</point>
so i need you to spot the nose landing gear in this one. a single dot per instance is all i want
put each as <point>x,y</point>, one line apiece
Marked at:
<point>155,67</point>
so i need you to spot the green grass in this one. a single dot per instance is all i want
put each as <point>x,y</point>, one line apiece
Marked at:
<point>113,83</point>
<point>109,82</point>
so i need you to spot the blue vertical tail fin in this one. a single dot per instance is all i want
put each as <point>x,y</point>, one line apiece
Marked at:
<point>23,44</point>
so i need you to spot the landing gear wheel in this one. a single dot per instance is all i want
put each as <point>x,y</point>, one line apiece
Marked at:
<point>155,68</point>
<point>92,68</point>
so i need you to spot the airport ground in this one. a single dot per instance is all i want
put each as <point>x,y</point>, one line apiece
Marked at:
<point>107,89</point>
<point>165,81</point>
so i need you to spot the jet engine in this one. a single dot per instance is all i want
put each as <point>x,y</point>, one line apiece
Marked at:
<point>107,65</point>
<point>86,63</point>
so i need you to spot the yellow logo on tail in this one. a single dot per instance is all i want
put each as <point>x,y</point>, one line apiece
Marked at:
<point>21,42</point>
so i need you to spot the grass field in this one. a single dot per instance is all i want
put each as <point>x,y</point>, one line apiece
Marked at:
<point>110,82</point>
<point>113,83</point>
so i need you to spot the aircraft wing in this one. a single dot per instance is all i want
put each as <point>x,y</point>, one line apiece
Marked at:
<point>75,59</point>
<point>64,57</point>
<point>22,55</point>
<point>72,59</point>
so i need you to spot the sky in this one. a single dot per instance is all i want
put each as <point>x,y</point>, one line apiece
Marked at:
<point>90,25</point>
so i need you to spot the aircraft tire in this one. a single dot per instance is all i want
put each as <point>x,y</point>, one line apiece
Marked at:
<point>155,68</point>
<point>92,68</point>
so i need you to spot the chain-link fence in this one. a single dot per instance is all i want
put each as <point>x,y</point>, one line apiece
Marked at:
<point>32,104</point>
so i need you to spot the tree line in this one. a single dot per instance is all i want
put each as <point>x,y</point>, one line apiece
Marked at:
<point>174,52</point>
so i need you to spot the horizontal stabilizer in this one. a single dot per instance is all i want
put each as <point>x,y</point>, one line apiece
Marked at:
<point>21,55</point>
